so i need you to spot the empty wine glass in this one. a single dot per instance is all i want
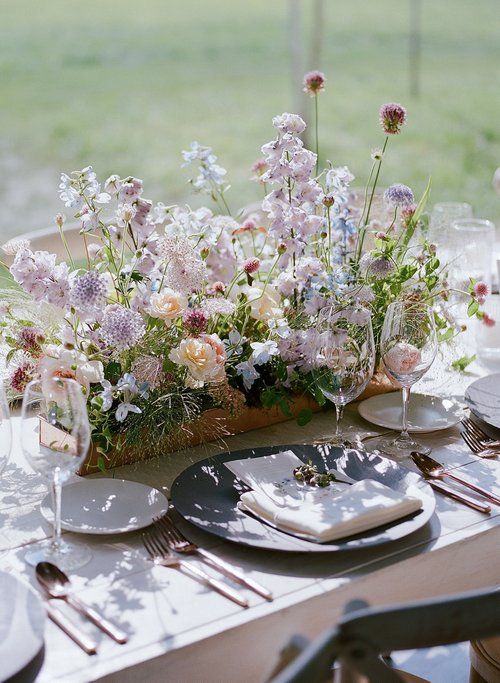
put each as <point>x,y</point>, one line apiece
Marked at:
<point>344,358</point>
<point>440,225</point>
<point>5,431</point>
<point>55,439</point>
<point>408,347</point>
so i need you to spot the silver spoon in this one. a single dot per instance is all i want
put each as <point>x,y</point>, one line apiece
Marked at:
<point>57,585</point>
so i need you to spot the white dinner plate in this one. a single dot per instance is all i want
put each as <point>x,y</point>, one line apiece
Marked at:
<point>22,623</point>
<point>107,506</point>
<point>425,414</point>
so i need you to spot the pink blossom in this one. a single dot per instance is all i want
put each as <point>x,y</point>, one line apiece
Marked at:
<point>314,82</point>
<point>251,265</point>
<point>481,291</point>
<point>392,117</point>
<point>488,320</point>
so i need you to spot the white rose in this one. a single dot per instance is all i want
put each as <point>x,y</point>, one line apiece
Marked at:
<point>264,303</point>
<point>203,357</point>
<point>167,305</point>
<point>61,362</point>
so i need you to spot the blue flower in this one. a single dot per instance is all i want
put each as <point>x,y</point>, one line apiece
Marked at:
<point>124,409</point>
<point>248,373</point>
<point>344,225</point>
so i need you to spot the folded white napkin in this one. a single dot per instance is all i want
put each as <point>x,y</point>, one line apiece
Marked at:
<point>318,514</point>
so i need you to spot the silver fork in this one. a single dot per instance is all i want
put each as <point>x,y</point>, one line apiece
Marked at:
<point>180,544</point>
<point>475,430</point>
<point>476,446</point>
<point>160,554</point>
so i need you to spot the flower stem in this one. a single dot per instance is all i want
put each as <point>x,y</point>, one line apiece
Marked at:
<point>374,187</point>
<point>316,132</point>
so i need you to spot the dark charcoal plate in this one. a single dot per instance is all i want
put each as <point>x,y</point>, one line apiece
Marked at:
<point>483,399</point>
<point>206,494</point>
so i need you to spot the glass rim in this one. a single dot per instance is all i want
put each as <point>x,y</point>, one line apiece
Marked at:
<point>418,305</point>
<point>473,224</point>
<point>449,205</point>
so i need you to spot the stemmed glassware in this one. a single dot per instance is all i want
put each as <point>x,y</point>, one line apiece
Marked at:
<point>55,439</point>
<point>408,346</point>
<point>344,358</point>
<point>5,431</point>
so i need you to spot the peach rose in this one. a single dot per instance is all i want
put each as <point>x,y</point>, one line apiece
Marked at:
<point>264,303</point>
<point>402,358</point>
<point>203,356</point>
<point>167,305</point>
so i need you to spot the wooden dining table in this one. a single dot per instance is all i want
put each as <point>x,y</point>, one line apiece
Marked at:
<point>181,631</point>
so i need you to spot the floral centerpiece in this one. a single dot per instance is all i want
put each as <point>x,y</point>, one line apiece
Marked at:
<point>176,310</point>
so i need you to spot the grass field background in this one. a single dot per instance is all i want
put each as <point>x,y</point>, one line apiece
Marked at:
<point>126,85</point>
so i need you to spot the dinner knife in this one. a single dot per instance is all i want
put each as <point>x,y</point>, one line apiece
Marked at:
<point>70,629</point>
<point>459,497</point>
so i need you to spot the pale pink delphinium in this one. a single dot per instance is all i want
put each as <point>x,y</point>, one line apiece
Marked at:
<point>392,117</point>
<point>314,82</point>
<point>259,167</point>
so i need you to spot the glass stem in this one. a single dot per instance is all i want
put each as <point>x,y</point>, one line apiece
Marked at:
<point>339,411</point>
<point>56,498</point>
<point>406,400</point>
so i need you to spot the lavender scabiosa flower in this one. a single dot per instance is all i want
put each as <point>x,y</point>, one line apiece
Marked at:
<point>88,292</point>
<point>399,195</point>
<point>218,306</point>
<point>314,82</point>
<point>30,339</point>
<point>377,267</point>
<point>392,117</point>
<point>195,320</point>
<point>121,328</point>
<point>11,247</point>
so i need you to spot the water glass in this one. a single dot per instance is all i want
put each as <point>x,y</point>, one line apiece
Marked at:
<point>443,215</point>
<point>5,431</point>
<point>344,358</point>
<point>473,241</point>
<point>408,346</point>
<point>55,439</point>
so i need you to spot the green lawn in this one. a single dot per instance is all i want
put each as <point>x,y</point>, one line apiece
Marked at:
<point>126,85</point>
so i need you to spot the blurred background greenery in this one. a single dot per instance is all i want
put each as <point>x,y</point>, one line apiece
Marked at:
<point>126,85</point>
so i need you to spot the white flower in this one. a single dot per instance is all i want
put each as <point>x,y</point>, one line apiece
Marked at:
<point>124,409</point>
<point>289,123</point>
<point>106,395</point>
<point>11,247</point>
<point>264,302</point>
<point>263,351</point>
<point>248,373</point>
<point>61,362</point>
<point>167,305</point>
<point>203,356</point>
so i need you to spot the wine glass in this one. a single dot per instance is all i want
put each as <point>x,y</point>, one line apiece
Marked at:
<point>408,346</point>
<point>440,225</point>
<point>344,358</point>
<point>5,431</point>
<point>55,439</point>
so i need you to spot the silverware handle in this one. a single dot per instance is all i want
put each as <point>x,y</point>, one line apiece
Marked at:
<point>213,583</point>
<point>235,574</point>
<point>460,497</point>
<point>98,620</point>
<point>474,487</point>
<point>69,628</point>
<point>490,444</point>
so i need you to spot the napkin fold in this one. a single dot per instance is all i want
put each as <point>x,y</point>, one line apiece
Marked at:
<point>318,514</point>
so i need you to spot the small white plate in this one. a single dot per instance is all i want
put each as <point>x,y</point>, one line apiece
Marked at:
<point>425,413</point>
<point>107,506</point>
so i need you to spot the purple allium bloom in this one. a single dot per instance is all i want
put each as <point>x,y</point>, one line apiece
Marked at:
<point>399,195</point>
<point>392,117</point>
<point>121,328</point>
<point>195,321</point>
<point>314,82</point>
<point>30,338</point>
<point>88,292</point>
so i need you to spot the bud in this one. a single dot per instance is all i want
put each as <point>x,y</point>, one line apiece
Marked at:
<point>328,200</point>
<point>60,219</point>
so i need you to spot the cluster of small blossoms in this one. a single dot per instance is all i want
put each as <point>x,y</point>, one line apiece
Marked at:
<point>30,339</point>
<point>88,293</point>
<point>39,275</point>
<point>314,83</point>
<point>392,117</point>
<point>291,207</point>
<point>210,174</point>
<point>399,196</point>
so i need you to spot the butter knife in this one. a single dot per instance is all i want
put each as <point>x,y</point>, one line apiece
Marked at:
<point>459,497</point>
<point>70,629</point>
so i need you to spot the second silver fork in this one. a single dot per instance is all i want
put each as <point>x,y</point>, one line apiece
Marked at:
<point>161,554</point>
<point>180,544</point>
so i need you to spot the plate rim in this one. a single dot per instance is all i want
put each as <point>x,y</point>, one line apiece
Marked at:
<point>412,430</point>
<point>468,400</point>
<point>46,506</point>
<point>319,548</point>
